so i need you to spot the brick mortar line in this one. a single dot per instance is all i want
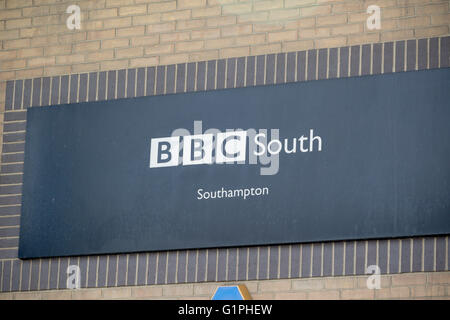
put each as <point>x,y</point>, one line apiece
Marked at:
<point>128,59</point>
<point>257,283</point>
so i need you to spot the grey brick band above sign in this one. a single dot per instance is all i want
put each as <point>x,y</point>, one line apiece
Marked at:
<point>224,264</point>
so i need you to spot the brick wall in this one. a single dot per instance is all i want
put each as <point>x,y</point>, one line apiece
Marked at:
<point>423,285</point>
<point>119,34</point>
<point>255,41</point>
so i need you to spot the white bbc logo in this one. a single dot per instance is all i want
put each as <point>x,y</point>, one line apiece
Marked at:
<point>198,149</point>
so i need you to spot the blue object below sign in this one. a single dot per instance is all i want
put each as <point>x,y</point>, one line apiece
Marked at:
<point>238,292</point>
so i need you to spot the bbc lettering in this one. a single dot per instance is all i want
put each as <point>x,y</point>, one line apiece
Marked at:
<point>198,149</point>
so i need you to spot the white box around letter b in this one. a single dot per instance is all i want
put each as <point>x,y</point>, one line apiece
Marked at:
<point>197,149</point>
<point>164,152</point>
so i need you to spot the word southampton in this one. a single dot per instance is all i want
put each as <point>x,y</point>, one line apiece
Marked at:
<point>235,146</point>
<point>232,193</point>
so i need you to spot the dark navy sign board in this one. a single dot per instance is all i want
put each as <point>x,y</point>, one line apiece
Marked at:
<point>384,170</point>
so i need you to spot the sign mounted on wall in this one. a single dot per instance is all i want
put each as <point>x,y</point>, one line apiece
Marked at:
<point>353,158</point>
